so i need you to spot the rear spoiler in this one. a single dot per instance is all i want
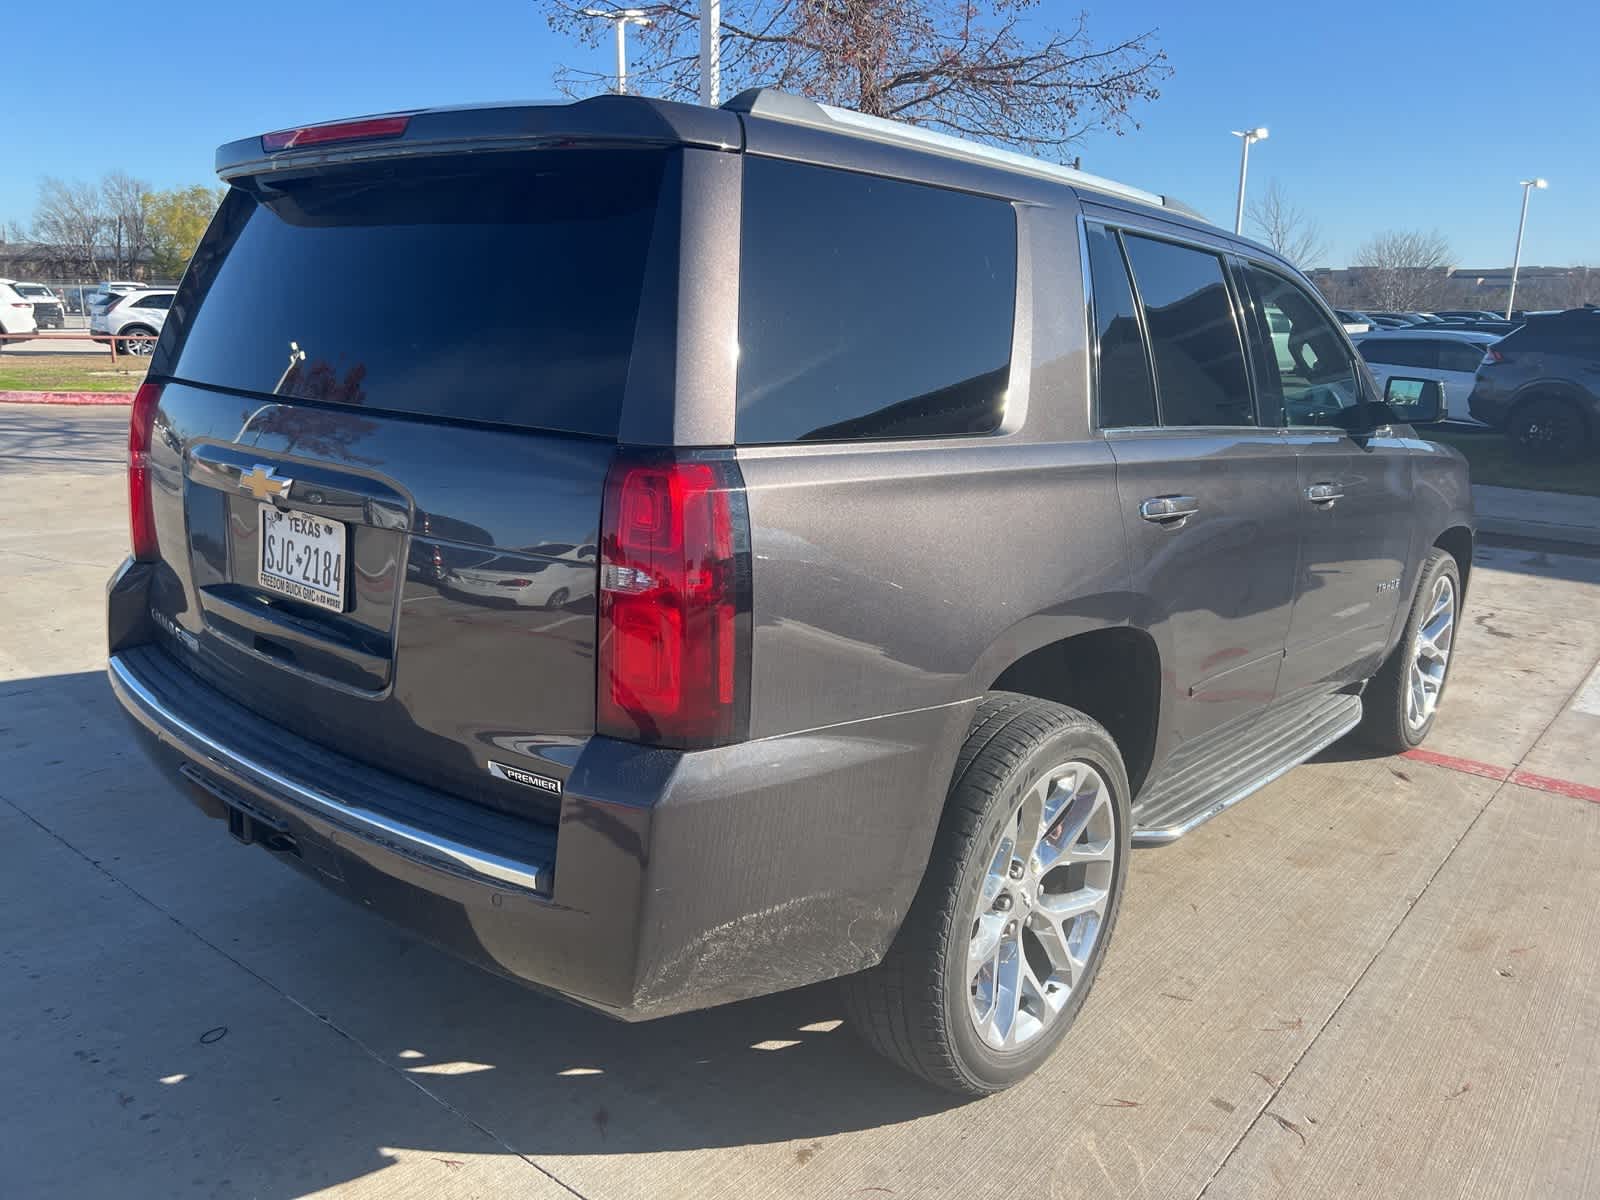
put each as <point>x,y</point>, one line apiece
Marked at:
<point>601,120</point>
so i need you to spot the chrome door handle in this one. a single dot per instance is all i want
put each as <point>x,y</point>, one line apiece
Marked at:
<point>1168,510</point>
<point>1324,493</point>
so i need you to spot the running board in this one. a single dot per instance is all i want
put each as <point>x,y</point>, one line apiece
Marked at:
<point>1229,766</point>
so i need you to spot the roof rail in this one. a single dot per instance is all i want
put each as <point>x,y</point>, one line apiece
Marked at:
<point>783,106</point>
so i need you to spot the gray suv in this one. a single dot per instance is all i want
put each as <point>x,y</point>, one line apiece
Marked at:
<point>822,550</point>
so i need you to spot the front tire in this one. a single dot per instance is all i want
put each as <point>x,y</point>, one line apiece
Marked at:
<point>1007,932</point>
<point>1402,700</point>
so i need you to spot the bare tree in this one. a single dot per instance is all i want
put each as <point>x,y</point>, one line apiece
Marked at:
<point>976,68</point>
<point>1287,229</point>
<point>127,208</point>
<point>71,218</point>
<point>1404,269</point>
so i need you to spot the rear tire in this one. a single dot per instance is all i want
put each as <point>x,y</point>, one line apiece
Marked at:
<point>138,349</point>
<point>1031,855</point>
<point>1402,699</point>
<point>1549,429</point>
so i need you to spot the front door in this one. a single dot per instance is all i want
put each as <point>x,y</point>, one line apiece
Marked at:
<point>1353,492</point>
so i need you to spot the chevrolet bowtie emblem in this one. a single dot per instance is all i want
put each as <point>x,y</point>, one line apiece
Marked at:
<point>261,483</point>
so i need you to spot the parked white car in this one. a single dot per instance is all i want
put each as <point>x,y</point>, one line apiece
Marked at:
<point>49,310</point>
<point>522,580</point>
<point>1420,352</point>
<point>138,313</point>
<point>103,296</point>
<point>16,314</point>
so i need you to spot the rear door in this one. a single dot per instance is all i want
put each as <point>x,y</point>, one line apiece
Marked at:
<point>1353,494</point>
<point>1207,494</point>
<point>376,517</point>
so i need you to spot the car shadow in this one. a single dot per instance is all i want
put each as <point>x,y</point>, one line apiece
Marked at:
<point>509,1070</point>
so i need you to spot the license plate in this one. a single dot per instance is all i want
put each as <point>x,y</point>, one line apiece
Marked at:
<point>302,556</point>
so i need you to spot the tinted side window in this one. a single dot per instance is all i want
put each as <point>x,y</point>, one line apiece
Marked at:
<point>156,302</point>
<point>1460,356</point>
<point>1309,375</point>
<point>1125,393</point>
<point>1401,352</point>
<point>1200,372</point>
<point>870,308</point>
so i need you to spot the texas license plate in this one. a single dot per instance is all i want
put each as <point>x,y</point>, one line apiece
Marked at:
<point>302,556</point>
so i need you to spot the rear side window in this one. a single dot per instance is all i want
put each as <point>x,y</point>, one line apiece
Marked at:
<point>1399,352</point>
<point>870,308</point>
<point>504,288</point>
<point>1126,396</point>
<point>158,302</point>
<point>1460,356</point>
<point>1194,338</point>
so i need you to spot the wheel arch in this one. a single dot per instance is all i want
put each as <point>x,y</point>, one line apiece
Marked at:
<point>1457,542</point>
<point>1112,674</point>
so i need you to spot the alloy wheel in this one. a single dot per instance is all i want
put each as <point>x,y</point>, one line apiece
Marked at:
<point>1432,656</point>
<point>1042,905</point>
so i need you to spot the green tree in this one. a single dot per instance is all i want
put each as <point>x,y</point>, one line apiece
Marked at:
<point>176,219</point>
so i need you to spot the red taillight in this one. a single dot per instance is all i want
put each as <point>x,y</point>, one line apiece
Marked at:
<point>1492,356</point>
<point>141,513</point>
<point>674,603</point>
<point>337,131</point>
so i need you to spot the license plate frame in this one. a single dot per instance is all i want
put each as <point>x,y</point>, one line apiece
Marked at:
<point>309,556</point>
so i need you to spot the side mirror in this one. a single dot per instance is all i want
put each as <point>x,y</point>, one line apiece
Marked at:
<point>1414,401</point>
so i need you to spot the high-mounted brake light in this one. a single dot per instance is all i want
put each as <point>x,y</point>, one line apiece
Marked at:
<point>674,603</point>
<point>336,131</point>
<point>141,511</point>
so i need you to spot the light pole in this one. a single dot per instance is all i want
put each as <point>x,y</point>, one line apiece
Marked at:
<point>1516,261</point>
<point>711,52</point>
<point>621,18</point>
<point>1258,134</point>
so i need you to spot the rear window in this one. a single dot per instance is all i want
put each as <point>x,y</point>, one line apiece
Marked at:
<point>870,308</point>
<point>505,289</point>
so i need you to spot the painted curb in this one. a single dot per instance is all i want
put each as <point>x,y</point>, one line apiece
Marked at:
<point>66,397</point>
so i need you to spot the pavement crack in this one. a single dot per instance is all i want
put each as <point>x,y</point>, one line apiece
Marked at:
<point>322,1018</point>
<point>1277,1088</point>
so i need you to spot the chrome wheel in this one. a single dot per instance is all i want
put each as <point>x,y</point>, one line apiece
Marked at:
<point>1042,905</point>
<point>1432,657</point>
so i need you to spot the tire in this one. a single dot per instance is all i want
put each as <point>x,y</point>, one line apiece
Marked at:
<point>920,1007</point>
<point>1389,720</point>
<point>1549,429</point>
<point>557,599</point>
<point>137,349</point>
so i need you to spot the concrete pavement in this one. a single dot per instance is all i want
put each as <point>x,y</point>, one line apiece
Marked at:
<point>1373,977</point>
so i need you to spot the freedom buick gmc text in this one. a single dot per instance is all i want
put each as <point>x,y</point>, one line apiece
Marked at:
<point>822,550</point>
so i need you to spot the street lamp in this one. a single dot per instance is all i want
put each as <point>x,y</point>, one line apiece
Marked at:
<point>621,18</point>
<point>1527,190</point>
<point>1258,134</point>
<point>710,52</point>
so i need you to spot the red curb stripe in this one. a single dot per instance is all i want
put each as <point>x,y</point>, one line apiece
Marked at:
<point>1561,787</point>
<point>1527,779</point>
<point>1467,766</point>
<point>66,397</point>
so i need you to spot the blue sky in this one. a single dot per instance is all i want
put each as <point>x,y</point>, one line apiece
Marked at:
<point>1399,115</point>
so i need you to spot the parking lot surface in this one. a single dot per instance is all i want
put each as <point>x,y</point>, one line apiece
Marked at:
<point>1375,977</point>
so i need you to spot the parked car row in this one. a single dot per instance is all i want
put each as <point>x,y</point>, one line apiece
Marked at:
<point>1538,382</point>
<point>28,308</point>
